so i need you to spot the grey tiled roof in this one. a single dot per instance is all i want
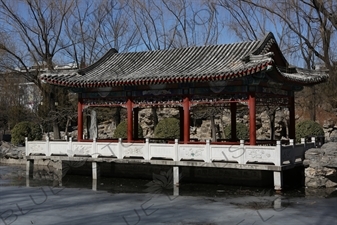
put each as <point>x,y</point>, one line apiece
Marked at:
<point>191,64</point>
<point>304,75</point>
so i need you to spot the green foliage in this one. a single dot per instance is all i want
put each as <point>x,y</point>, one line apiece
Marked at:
<point>121,130</point>
<point>241,131</point>
<point>167,128</point>
<point>17,114</point>
<point>308,128</point>
<point>25,129</point>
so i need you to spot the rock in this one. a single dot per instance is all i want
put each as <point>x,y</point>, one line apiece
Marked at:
<point>313,154</point>
<point>330,184</point>
<point>9,151</point>
<point>321,192</point>
<point>329,123</point>
<point>321,163</point>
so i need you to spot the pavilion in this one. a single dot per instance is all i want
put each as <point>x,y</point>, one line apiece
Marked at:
<point>254,73</point>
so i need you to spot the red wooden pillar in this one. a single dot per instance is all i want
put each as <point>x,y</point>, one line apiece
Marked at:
<point>186,106</point>
<point>129,119</point>
<point>79,119</point>
<point>233,120</point>
<point>181,122</point>
<point>252,118</point>
<point>135,121</point>
<point>291,117</point>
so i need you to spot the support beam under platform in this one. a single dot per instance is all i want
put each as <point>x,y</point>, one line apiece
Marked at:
<point>278,180</point>
<point>29,168</point>
<point>95,170</point>
<point>176,180</point>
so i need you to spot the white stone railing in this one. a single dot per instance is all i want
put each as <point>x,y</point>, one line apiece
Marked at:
<point>241,154</point>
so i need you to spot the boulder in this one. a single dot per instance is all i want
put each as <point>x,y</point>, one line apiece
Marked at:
<point>321,166</point>
<point>10,151</point>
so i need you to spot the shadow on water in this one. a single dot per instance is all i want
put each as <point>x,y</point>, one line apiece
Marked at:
<point>159,184</point>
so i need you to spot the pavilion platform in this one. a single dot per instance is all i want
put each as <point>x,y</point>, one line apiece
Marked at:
<point>276,157</point>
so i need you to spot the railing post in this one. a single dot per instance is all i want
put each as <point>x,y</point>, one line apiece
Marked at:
<point>313,140</point>
<point>26,146</point>
<point>303,142</point>
<point>208,151</point>
<point>94,149</point>
<point>278,161</point>
<point>176,153</point>
<point>242,156</point>
<point>70,152</point>
<point>71,144</point>
<point>48,147</point>
<point>147,155</point>
<point>278,180</point>
<point>120,149</point>
<point>292,153</point>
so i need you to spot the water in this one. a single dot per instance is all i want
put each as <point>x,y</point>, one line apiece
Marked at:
<point>160,184</point>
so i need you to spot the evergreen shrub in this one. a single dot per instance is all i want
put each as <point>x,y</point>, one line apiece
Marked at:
<point>25,129</point>
<point>241,132</point>
<point>167,128</point>
<point>121,130</point>
<point>308,128</point>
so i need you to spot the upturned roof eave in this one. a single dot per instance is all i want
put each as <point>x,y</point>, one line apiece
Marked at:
<point>228,75</point>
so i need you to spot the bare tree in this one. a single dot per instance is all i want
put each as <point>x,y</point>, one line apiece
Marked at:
<point>306,30</point>
<point>311,30</point>
<point>38,32</point>
<point>169,24</point>
<point>94,27</point>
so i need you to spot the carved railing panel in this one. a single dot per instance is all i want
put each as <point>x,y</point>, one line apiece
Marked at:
<point>192,152</point>
<point>261,154</point>
<point>58,148</point>
<point>162,151</point>
<point>80,149</point>
<point>36,148</point>
<point>133,150</point>
<point>107,150</point>
<point>241,154</point>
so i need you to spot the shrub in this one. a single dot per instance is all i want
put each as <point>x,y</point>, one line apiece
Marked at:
<point>167,128</point>
<point>121,130</point>
<point>308,128</point>
<point>241,132</point>
<point>25,129</point>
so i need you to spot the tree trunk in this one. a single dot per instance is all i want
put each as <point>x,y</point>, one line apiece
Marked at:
<point>117,116</point>
<point>272,124</point>
<point>155,117</point>
<point>213,130</point>
<point>67,125</point>
<point>55,124</point>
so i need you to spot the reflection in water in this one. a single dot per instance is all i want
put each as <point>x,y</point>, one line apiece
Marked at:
<point>94,184</point>
<point>16,176</point>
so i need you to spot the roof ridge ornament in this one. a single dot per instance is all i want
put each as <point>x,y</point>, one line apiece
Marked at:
<point>98,62</point>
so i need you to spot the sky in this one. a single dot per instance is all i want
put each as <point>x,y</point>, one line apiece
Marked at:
<point>197,23</point>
